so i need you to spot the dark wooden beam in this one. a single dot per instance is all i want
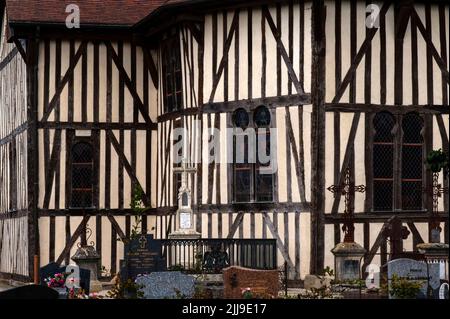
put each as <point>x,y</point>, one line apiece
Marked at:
<point>395,109</point>
<point>224,60</point>
<point>127,166</point>
<point>282,51</point>
<point>81,227</point>
<point>54,102</point>
<point>252,104</point>
<point>130,85</point>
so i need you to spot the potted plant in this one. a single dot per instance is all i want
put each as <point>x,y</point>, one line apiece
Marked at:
<point>437,160</point>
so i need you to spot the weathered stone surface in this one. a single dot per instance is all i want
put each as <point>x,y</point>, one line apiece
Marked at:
<point>415,270</point>
<point>167,285</point>
<point>316,282</point>
<point>263,283</point>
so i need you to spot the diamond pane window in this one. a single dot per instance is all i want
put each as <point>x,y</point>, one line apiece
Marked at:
<point>412,159</point>
<point>383,161</point>
<point>82,175</point>
<point>253,176</point>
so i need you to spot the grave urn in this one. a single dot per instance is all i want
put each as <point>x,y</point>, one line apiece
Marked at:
<point>347,259</point>
<point>86,257</point>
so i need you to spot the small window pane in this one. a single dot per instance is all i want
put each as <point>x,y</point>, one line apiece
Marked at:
<point>242,184</point>
<point>264,186</point>
<point>383,195</point>
<point>384,124</point>
<point>412,162</point>
<point>383,161</point>
<point>82,175</point>
<point>412,128</point>
<point>412,195</point>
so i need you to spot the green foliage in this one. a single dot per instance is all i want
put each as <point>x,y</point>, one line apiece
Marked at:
<point>138,208</point>
<point>437,160</point>
<point>125,290</point>
<point>405,288</point>
<point>176,268</point>
<point>320,293</point>
<point>328,272</point>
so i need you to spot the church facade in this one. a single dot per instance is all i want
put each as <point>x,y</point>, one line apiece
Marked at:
<point>89,115</point>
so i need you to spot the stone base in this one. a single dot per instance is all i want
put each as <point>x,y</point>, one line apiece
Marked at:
<point>348,261</point>
<point>316,282</point>
<point>95,286</point>
<point>185,234</point>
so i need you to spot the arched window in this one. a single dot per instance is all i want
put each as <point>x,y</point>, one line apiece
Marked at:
<point>383,161</point>
<point>253,174</point>
<point>398,162</point>
<point>412,161</point>
<point>82,175</point>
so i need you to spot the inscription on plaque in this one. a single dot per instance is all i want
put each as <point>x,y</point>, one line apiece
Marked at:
<point>143,256</point>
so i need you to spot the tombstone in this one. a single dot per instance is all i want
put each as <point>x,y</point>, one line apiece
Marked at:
<point>29,292</point>
<point>167,285</point>
<point>262,283</point>
<point>417,271</point>
<point>142,256</point>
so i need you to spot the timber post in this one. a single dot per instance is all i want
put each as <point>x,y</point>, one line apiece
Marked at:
<point>318,137</point>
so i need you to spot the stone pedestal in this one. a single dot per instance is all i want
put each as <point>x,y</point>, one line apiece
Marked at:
<point>185,234</point>
<point>435,254</point>
<point>87,257</point>
<point>348,261</point>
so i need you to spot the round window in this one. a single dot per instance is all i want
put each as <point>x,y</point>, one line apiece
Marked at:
<point>241,118</point>
<point>262,116</point>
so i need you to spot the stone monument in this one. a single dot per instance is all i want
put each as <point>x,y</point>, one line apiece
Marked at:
<point>185,216</point>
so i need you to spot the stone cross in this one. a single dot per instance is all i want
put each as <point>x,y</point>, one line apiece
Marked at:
<point>185,214</point>
<point>436,191</point>
<point>184,170</point>
<point>348,189</point>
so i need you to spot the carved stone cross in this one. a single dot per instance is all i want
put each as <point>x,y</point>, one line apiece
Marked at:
<point>348,190</point>
<point>184,170</point>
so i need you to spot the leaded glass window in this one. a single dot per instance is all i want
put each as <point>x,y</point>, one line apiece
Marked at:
<point>82,175</point>
<point>412,162</point>
<point>398,162</point>
<point>253,179</point>
<point>383,161</point>
<point>172,73</point>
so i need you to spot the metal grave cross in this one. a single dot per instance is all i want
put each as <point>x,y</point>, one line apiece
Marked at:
<point>436,191</point>
<point>348,189</point>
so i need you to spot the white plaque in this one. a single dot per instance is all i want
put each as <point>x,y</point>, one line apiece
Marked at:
<point>185,220</point>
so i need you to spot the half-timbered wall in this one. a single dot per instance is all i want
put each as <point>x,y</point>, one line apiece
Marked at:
<point>245,58</point>
<point>373,69</point>
<point>104,93</point>
<point>13,158</point>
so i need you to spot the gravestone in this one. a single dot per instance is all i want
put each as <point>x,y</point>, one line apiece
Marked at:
<point>416,271</point>
<point>29,292</point>
<point>142,256</point>
<point>262,283</point>
<point>167,285</point>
